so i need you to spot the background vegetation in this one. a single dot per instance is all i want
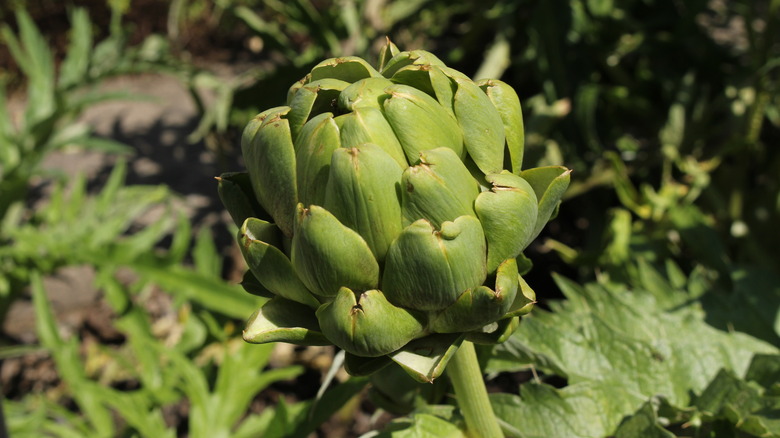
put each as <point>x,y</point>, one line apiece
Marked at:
<point>659,282</point>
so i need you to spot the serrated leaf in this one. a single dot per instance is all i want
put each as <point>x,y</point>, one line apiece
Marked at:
<point>606,334</point>
<point>583,410</point>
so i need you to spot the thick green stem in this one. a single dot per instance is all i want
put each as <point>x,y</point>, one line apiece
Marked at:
<point>471,394</point>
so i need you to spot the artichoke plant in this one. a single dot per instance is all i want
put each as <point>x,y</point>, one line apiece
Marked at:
<point>385,211</point>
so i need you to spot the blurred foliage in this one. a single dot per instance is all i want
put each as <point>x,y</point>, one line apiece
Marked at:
<point>55,97</point>
<point>669,113</point>
<point>198,360</point>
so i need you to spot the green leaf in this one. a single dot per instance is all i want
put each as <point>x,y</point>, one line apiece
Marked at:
<point>421,426</point>
<point>9,153</point>
<point>36,60</point>
<point>205,255</point>
<point>643,423</point>
<point>627,340</point>
<point>75,66</point>
<point>261,26</point>
<point>751,305</point>
<point>583,410</point>
<point>237,384</point>
<point>208,291</point>
<point>765,370</point>
<point>69,364</point>
<point>105,145</point>
<point>138,410</point>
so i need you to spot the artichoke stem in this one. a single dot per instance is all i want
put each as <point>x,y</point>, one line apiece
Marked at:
<point>471,394</point>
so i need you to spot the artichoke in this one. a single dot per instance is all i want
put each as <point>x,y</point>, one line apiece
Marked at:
<point>385,211</point>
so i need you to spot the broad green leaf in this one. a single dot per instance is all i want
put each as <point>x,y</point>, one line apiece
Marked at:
<point>583,410</point>
<point>607,335</point>
<point>765,370</point>
<point>644,423</point>
<point>421,426</point>
<point>751,304</point>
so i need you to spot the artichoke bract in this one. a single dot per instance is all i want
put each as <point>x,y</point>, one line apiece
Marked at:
<point>385,211</point>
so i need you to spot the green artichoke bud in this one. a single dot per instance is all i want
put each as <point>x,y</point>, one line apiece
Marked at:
<point>386,211</point>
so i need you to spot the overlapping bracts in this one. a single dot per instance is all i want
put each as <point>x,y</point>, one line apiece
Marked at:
<point>387,205</point>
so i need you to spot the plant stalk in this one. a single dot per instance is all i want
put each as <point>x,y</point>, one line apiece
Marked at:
<point>471,394</point>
